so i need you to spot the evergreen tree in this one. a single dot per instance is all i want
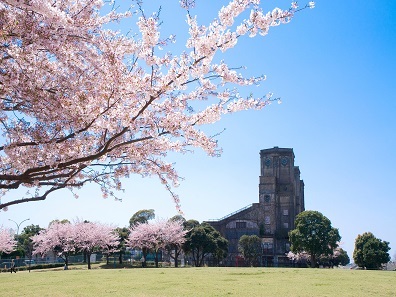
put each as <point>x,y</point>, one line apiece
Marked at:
<point>370,252</point>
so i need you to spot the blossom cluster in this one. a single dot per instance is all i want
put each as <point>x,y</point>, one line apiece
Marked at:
<point>82,103</point>
<point>7,241</point>
<point>156,236</point>
<point>66,238</point>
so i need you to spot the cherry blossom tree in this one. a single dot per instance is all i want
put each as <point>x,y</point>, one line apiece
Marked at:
<point>175,249</point>
<point>7,241</point>
<point>175,238</point>
<point>59,239</point>
<point>139,238</point>
<point>156,236</point>
<point>91,237</point>
<point>84,103</point>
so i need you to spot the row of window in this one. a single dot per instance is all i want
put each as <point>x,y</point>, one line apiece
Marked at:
<point>240,225</point>
<point>285,212</point>
<point>267,221</point>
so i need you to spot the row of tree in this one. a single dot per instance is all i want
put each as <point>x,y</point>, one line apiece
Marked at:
<point>313,241</point>
<point>64,239</point>
<point>173,236</point>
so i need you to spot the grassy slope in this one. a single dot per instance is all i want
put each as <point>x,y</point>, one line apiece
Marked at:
<point>200,282</point>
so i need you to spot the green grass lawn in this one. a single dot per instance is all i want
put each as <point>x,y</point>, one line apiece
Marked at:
<point>199,282</point>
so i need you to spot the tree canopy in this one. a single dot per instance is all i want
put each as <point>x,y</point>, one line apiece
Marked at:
<point>313,234</point>
<point>123,234</point>
<point>25,239</point>
<point>202,240</point>
<point>340,257</point>
<point>58,238</point>
<point>90,237</point>
<point>141,217</point>
<point>175,249</point>
<point>250,248</point>
<point>64,221</point>
<point>84,103</point>
<point>370,252</point>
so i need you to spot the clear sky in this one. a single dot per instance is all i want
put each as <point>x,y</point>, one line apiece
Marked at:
<point>335,69</point>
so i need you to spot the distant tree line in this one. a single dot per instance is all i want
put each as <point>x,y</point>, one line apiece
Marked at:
<point>314,241</point>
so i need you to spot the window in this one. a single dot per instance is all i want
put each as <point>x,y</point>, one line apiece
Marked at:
<point>285,212</point>
<point>240,225</point>
<point>286,225</point>
<point>267,220</point>
<point>267,246</point>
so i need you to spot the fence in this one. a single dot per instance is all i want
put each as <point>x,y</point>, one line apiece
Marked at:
<point>5,262</point>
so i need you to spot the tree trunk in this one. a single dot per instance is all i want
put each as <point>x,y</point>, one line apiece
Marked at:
<point>196,258</point>
<point>201,260</point>
<point>88,255</point>
<point>66,262</point>
<point>313,260</point>
<point>120,258</point>
<point>156,259</point>
<point>107,259</point>
<point>177,252</point>
<point>145,252</point>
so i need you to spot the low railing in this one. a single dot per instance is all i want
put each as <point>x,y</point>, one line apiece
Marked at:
<point>231,214</point>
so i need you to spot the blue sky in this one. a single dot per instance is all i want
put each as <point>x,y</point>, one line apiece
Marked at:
<point>335,70</point>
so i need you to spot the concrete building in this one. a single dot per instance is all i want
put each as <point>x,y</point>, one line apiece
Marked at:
<point>281,198</point>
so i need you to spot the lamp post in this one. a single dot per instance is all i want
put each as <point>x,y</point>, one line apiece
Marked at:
<point>17,235</point>
<point>18,224</point>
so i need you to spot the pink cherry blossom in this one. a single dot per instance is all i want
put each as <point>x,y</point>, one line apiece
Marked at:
<point>62,239</point>
<point>90,237</point>
<point>7,241</point>
<point>83,103</point>
<point>302,257</point>
<point>58,238</point>
<point>156,236</point>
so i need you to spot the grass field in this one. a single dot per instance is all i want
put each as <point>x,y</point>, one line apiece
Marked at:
<point>199,282</point>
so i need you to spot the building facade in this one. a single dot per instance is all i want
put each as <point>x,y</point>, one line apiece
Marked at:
<point>281,198</point>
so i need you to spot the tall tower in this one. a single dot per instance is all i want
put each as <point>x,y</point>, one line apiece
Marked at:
<point>281,197</point>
